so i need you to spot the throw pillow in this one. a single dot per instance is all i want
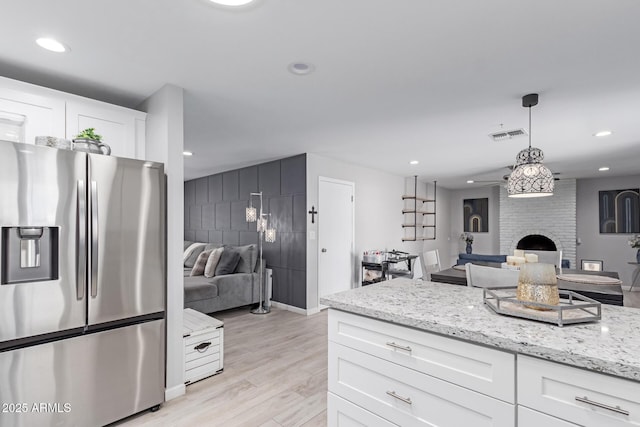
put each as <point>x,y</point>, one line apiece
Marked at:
<point>248,258</point>
<point>228,261</point>
<point>201,262</point>
<point>212,262</point>
<point>191,254</point>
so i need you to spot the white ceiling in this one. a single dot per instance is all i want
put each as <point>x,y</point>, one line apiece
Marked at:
<point>394,80</point>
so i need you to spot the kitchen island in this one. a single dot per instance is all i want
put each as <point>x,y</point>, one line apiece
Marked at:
<point>399,349</point>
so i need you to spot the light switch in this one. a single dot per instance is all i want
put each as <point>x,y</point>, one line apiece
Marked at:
<point>312,235</point>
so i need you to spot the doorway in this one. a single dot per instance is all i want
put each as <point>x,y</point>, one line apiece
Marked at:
<point>335,235</point>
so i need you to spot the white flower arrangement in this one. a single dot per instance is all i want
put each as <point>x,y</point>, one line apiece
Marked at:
<point>634,241</point>
<point>467,237</point>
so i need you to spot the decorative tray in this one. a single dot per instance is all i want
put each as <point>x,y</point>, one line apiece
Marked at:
<point>573,307</point>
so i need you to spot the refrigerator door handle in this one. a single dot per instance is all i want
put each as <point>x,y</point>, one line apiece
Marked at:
<point>81,236</point>
<point>94,239</point>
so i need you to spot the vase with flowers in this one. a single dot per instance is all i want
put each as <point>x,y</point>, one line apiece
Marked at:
<point>634,242</point>
<point>468,239</point>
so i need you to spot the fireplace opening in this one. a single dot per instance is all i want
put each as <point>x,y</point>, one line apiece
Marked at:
<point>536,242</point>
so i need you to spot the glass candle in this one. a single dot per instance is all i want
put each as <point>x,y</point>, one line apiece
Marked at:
<point>537,282</point>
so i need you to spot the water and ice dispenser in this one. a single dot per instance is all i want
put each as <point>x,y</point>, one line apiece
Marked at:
<point>29,254</point>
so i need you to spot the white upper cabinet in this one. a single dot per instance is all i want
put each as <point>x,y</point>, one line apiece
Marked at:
<point>118,126</point>
<point>40,116</point>
<point>48,112</point>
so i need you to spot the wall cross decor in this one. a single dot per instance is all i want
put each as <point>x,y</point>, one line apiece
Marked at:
<point>313,213</point>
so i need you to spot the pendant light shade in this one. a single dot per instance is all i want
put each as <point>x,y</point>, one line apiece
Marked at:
<point>530,178</point>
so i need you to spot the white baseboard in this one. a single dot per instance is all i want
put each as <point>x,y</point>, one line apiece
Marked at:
<point>173,392</point>
<point>293,309</point>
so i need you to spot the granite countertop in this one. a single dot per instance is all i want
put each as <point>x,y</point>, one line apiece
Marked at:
<point>611,346</point>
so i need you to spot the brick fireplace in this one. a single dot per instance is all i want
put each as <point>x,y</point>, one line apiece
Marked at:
<point>553,217</point>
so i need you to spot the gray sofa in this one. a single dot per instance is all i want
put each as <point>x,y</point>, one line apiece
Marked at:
<point>208,295</point>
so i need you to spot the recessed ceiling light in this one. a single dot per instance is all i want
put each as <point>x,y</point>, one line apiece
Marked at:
<point>187,153</point>
<point>231,2</point>
<point>51,44</point>
<point>414,162</point>
<point>603,133</point>
<point>301,68</point>
<point>603,169</point>
<point>470,181</point>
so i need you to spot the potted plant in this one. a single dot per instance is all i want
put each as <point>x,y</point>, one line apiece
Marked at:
<point>468,238</point>
<point>88,140</point>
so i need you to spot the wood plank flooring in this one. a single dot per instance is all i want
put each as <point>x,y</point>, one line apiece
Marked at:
<point>275,375</point>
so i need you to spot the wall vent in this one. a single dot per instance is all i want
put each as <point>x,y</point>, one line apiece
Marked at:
<point>500,136</point>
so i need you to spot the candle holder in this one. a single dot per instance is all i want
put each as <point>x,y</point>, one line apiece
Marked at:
<point>538,283</point>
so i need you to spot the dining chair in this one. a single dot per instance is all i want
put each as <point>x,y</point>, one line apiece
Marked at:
<point>491,277</point>
<point>430,264</point>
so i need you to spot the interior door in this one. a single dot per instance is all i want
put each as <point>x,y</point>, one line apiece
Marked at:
<point>127,238</point>
<point>335,236</point>
<point>42,191</point>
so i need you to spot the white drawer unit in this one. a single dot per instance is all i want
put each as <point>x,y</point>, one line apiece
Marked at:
<point>345,414</point>
<point>582,397</point>
<point>203,345</point>
<point>406,397</point>
<point>485,370</point>
<point>530,418</point>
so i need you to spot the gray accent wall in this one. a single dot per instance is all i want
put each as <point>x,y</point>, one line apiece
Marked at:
<point>214,211</point>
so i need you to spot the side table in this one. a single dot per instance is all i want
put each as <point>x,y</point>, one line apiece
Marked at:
<point>203,345</point>
<point>636,274</point>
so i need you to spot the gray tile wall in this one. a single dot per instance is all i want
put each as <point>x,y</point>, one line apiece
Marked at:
<point>214,212</point>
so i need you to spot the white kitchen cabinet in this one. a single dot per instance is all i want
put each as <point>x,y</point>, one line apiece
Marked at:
<point>342,413</point>
<point>409,377</point>
<point>530,418</point>
<point>49,112</point>
<point>43,116</point>
<point>119,127</point>
<point>582,397</point>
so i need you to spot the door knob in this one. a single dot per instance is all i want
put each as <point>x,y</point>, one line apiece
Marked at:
<point>324,249</point>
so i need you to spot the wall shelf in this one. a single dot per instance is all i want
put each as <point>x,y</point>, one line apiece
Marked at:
<point>423,208</point>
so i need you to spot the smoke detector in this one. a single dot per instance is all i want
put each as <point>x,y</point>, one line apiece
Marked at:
<point>509,134</point>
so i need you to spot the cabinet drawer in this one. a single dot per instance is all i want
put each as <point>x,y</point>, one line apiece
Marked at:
<point>406,397</point>
<point>342,413</point>
<point>530,418</point>
<point>553,388</point>
<point>207,336</point>
<point>203,346</point>
<point>478,368</point>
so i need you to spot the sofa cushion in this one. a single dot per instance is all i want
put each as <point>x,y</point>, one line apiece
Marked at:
<point>187,243</point>
<point>212,262</point>
<point>199,288</point>
<point>228,261</point>
<point>248,258</point>
<point>201,262</point>
<point>191,253</point>
<point>465,258</point>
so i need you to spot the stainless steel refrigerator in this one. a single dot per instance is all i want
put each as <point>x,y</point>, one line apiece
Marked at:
<point>82,287</point>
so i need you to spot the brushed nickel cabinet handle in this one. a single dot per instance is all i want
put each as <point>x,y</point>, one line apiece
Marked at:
<point>396,396</point>
<point>616,409</point>
<point>400,347</point>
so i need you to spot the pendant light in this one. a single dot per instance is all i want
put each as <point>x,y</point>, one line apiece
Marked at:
<point>530,178</point>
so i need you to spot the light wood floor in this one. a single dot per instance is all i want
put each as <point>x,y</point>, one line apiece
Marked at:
<point>275,374</point>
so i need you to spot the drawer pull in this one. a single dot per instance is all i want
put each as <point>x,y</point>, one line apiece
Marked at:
<point>201,348</point>
<point>602,405</point>
<point>404,399</point>
<point>399,347</point>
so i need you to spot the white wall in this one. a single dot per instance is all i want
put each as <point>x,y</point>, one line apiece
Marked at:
<point>164,143</point>
<point>483,243</point>
<point>613,249</point>
<point>378,214</point>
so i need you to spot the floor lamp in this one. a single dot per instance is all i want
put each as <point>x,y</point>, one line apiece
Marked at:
<point>266,233</point>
